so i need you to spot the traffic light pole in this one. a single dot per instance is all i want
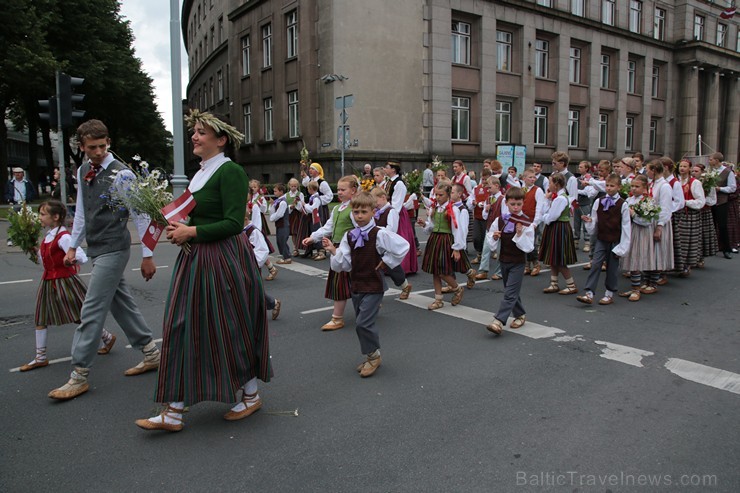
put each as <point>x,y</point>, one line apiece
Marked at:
<point>60,144</point>
<point>179,180</point>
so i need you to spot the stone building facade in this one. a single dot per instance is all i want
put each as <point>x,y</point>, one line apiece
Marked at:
<point>456,78</point>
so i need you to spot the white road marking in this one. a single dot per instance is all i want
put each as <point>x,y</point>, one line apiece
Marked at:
<point>17,282</point>
<point>576,338</point>
<point>158,267</point>
<point>304,269</point>
<point>623,354</point>
<point>706,375</point>
<point>389,292</point>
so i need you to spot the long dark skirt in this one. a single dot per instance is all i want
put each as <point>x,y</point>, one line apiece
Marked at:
<point>689,228</point>
<point>215,326</point>
<point>59,301</point>
<point>709,244</point>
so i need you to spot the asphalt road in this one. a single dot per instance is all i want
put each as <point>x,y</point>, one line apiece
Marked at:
<point>452,408</point>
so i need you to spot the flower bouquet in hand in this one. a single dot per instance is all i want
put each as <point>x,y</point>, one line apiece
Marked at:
<point>25,230</point>
<point>709,180</point>
<point>413,180</point>
<point>625,190</point>
<point>647,209</point>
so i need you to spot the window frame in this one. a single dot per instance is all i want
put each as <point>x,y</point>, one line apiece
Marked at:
<point>268,119</point>
<point>574,64</point>
<point>635,16</point>
<point>503,122</point>
<point>461,42</point>
<point>655,82</point>
<point>540,124</point>
<point>631,77</point>
<point>578,7</point>
<point>220,85</point>
<point>603,128</point>
<point>294,126</point>
<point>291,34</point>
<point>247,122</point>
<point>542,58</point>
<point>722,30</point>
<point>459,111</point>
<point>700,23</point>
<point>653,136</point>
<point>246,55</point>
<point>605,72</point>
<point>267,45</point>
<point>659,21</point>
<point>629,133</point>
<point>574,120</point>
<point>505,47</point>
<point>608,11</point>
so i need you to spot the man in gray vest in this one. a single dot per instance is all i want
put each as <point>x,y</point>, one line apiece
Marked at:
<point>109,247</point>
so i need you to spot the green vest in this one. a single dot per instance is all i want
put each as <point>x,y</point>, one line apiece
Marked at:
<point>441,223</point>
<point>288,199</point>
<point>565,215</point>
<point>342,223</point>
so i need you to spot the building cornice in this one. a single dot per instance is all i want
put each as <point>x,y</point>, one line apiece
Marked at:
<point>223,47</point>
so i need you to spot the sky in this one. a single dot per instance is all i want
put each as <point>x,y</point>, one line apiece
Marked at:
<point>150,22</point>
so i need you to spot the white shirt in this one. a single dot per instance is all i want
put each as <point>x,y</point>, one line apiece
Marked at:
<point>677,199</point>
<point>399,194</point>
<point>281,210</point>
<point>621,249</point>
<point>140,220</point>
<point>392,222</point>
<point>460,232</point>
<point>554,208</point>
<point>326,194</point>
<point>391,247</point>
<point>20,190</point>
<point>697,191</point>
<point>731,186</point>
<point>662,195</point>
<point>524,241</point>
<point>259,246</point>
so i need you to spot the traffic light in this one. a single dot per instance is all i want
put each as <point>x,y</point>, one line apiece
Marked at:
<point>68,98</point>
<point>49,111</point>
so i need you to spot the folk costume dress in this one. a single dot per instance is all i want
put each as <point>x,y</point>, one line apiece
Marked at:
<point>61,292</point>
<point>445,235</point>
<point>340,221</point>
<point>557,247</point>
<point>215,336</point>
<point>709,242</point>
<point>396,190</point>
<point>641,255</point>
<point>689,223</point>
<point>661,192</point>
<point>294,217</point>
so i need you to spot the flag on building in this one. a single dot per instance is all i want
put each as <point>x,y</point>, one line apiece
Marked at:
<point>728,13</point>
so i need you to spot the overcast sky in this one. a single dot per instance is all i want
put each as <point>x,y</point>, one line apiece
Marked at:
<point>150,21</point>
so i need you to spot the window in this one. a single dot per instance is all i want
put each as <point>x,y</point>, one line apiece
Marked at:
<point>211,95</point>
<point>653,144</point>
<point>607,12</point>
<point>542,56</point>
<point>245,56</point>
<point>291,34</point>
<point>267,45</point>
<point>574,117</point>
<point>540,125</point>
<point>503,121</point>
<point>659,24</point>
<point>575,65</point>
<point>655,82</point>
<point>220,87</point>
<point>268,119</point>
<point>220,30</point>
<point>603,130</point>
<point>698,27</point>
<point>503,50</point>
<point>578,7</point>
<point>721,34</point>
<point>631,76</point>
<point>636,16</point>
<point>213,38</point>
<point>247,122</point>
<point>545,3</point>
<point>460,118</point>
<point>630,133</point>
<point>294,129</point>
<point>460,42</point>
<point>737,43</point>
<point>605,61</point>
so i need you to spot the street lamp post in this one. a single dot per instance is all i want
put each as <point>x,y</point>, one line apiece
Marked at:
<point>179,180</point>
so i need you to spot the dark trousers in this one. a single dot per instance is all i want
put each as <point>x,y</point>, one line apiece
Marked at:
<point>479,233</point>
<point>269,302</point>
<point>513,275</point>
<point>367,306</point>
<point>281,235</point>
<point>396,274</point>
<point>720,212</point>
<point>603,252</point>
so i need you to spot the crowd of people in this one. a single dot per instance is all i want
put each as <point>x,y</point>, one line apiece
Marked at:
<point>645,220</point>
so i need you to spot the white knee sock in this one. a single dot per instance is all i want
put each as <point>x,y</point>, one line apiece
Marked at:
<point>105,338</point>
<point>405,283</point>
<point>250,388</point>
<point>171,417</point>
<point>40,346</point>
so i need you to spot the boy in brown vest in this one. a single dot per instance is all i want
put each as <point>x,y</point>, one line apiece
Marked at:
<point>610,220</point>
<point>363,252</point>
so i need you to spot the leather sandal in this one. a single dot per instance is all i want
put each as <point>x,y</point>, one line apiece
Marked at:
<point>606,300</point>
<point>446,289</point>
<point>635,296</point>
<point>333,324</point>
<point>248,410</point>
<point>458,296</point>
<point>146,424</point>
<point>481,275</point>
<point>405,292</point>
<point>436,305</point>
<point>273,274</point>
<point>568,290</point>
<point>471,279</point>
<point>536,270</point>
<point>584,298</point>
<point>496,327</point>
<point>496,277</point>
<point>276,310</point>
<point>552,288</point>
<point>518,322</point>
<point>106,349</point>
<point>648,289</point>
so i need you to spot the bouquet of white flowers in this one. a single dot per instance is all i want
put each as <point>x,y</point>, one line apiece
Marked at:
<point>25,230</point>
<point>709,180</point>
<point>647,209</point>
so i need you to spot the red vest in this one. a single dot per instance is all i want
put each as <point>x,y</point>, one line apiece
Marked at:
<point>530,202</point>
<point>461,182</point>
<point>687,195</point>
<point>481,194</point>
<point>53,257</point>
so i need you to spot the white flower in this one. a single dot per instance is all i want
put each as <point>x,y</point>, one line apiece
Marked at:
<point>156,174</point>
<point>144,165</point>
<point>136,157</point>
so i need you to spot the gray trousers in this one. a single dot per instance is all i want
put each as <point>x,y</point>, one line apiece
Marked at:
<point>108,291</point>
<point>485,259</point>
<point>367,306</point>
<point>479,233</point>
<point>269,302</point>
<point>513,275</point>
<point>281,236</point>
<point>603,252</point>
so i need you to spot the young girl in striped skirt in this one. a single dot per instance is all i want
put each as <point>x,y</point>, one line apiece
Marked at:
<point>61,292</point>
<point>558,249</point>
<point>331,233</point>
<point>641,255</point>
<point>709,245</point>
<point>689,219</point>
<point>445,246</point>
<point>661,192</point>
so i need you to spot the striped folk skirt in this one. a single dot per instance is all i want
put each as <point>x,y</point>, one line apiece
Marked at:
<point>294,221</point>
<point>557,247</point>
<point>438,255</point>
<point>709,244</point>
<point>59,301</point>
<point>677,242</point>
<point>338,287</point>
<point>215,335</point>
<point>733,221</point>
<point>641,256</point>
<point>689,229</point>
<point>663,249</point>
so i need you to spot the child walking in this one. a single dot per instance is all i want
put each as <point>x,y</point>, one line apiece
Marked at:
<point>61,292</point>
<point>515,232</point>
<point>310,218</point>
<point>534,201</point>
<point>558,249</point>
<point>661,192</point>
<point>257,206</point>
<point>491,211</point>
<point>293,197</point>
<point>331,233</point>
<point>641,255</point>
<point>362,253</point>
<point>385,216</point>
<point>445,245</point>
<point>279,215</point>
<point>262,249</point>
<point>609,224</point>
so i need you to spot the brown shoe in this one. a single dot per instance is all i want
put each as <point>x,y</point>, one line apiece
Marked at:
<point>518,322</point>
<point>552,288</point>
<point>568,290</point>
<point>34,364</point>
<point>481,275</point>
<point>320,256</point>
<point>405,292</point>
<point>436,305</point>
<point>648,289</point>
<point>273,274</point>
<point>536,270</point>
<point>471,279</point>
<point>284,261</point>
<point>476,260</point>
<point>496,327</point>
<point>146,424</point>
<point>635,296</point>
<point>333,324</point>
<point>625,294</point>
<point>458,296</point>
<point>587,266</point>
<point>74,387</point>
<point>149,363</point>
<point>584,298</point>
<point>248,410</point>
<point>527,271</point>
<point>606,300</point>
<point>662,281</point>
<point>106,349</point>
<point>446,289</point>
<point>373,362</point>
<point>276,309</point>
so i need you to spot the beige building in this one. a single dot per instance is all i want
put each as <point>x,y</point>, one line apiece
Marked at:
<point>596,78</point>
